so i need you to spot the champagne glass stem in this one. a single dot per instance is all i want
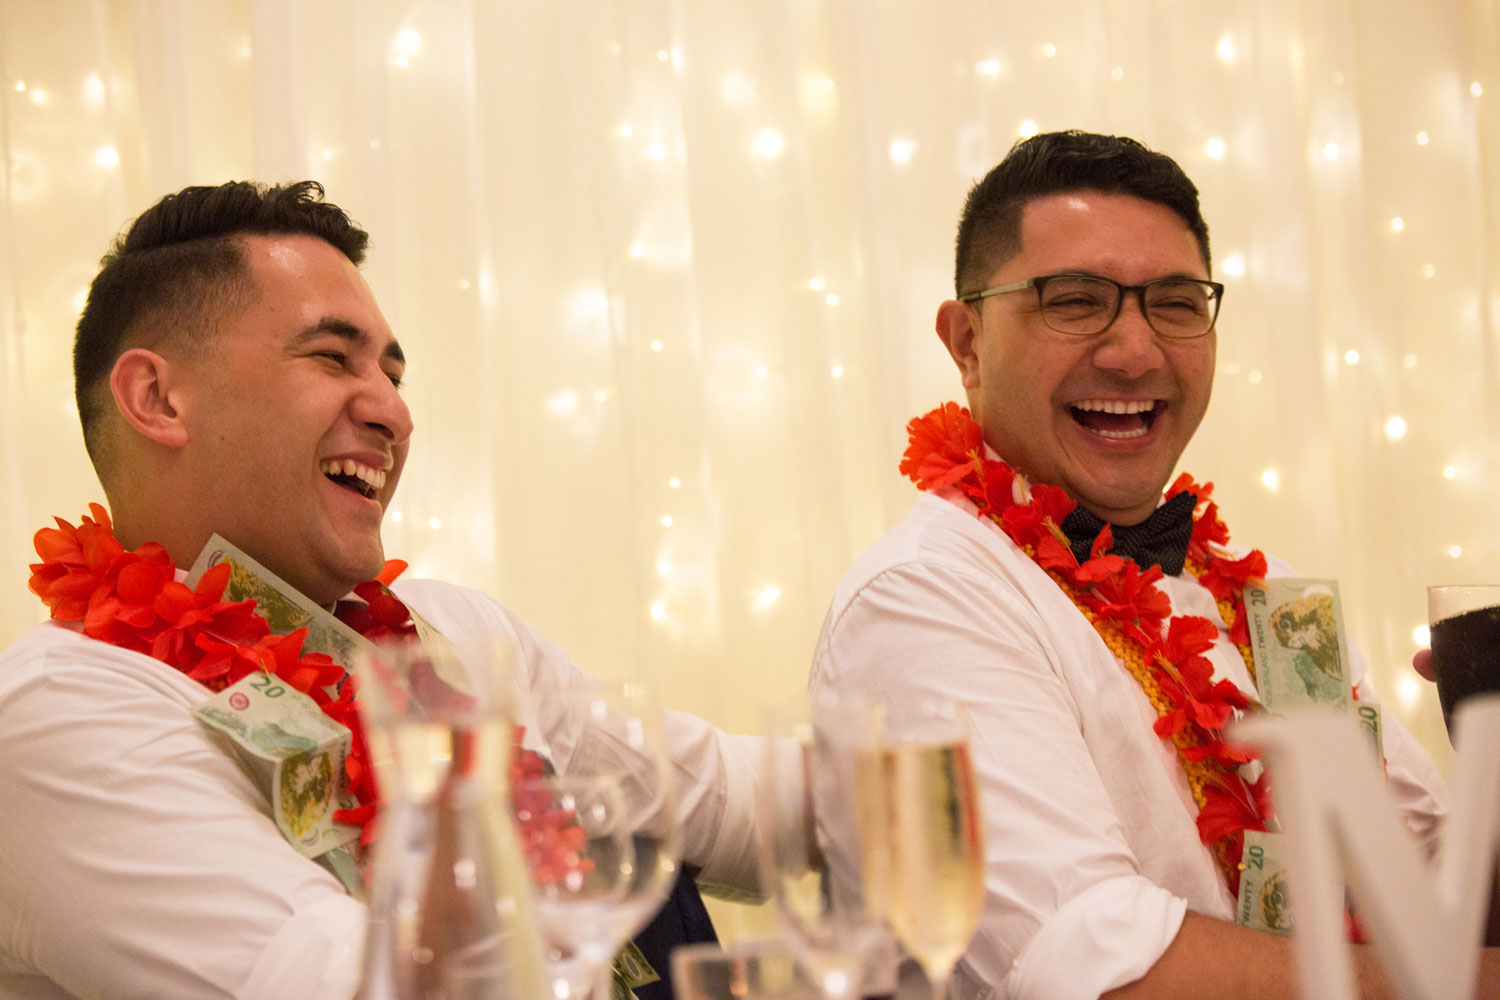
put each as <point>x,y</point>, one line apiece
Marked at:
<point>604,981</point>
<point>937,982</point>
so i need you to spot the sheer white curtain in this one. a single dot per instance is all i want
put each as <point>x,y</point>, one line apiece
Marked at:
<point>666,271</point>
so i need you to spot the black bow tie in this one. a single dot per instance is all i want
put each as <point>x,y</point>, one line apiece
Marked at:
<point>1159,540</point>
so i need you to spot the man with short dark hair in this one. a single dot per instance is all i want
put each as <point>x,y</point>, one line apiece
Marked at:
<point>236,376</point>
<point>1093,628</point>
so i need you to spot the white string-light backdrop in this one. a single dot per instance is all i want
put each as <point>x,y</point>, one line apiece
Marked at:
<point>666,272</point>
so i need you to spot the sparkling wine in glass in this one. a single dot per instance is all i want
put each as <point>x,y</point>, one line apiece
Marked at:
<point>931,869</point>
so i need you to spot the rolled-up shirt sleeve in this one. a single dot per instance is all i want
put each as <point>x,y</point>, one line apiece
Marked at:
<point>1067,912</point>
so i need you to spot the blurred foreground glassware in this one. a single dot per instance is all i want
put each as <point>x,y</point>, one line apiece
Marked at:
<point>931,870</point>
<point>451,911</point>
<point>809,788</point>
<point>753,970</point>
<point>614,732</point>
<point>1464,624</point>
<point>581,857</point>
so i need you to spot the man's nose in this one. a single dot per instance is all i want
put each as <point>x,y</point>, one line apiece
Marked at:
<point>1129,345</point>
<point>380,406</point>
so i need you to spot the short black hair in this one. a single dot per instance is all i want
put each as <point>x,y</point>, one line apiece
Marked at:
<point>178,267</point>
<point>989,232</point>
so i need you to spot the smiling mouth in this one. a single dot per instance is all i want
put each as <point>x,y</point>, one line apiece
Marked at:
<point>1117,419</point>
<point>352,476</point>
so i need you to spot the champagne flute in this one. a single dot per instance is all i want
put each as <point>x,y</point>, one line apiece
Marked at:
<point>614,731</point>
<point>808,789</point>
<point>581,857</point>
<point>933,864</point>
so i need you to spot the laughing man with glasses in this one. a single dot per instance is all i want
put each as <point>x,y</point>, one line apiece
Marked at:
<point>1084,335</point>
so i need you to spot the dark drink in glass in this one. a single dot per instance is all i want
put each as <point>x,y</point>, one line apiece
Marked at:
<point>1465,634</point>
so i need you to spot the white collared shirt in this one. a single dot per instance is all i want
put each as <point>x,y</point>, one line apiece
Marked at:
<point>1092,852</point>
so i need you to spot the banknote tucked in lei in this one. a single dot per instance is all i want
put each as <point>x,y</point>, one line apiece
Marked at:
<point>133,600</point>
<point>1164,653</point>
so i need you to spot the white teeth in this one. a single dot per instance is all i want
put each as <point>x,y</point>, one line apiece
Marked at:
<point>1116,405</point>
<point>1121,435</point>
<point>349,467</point>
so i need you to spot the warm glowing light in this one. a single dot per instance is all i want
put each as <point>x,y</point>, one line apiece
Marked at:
<point>1397,224</point>
<point>1331,151</point>
<point>80,298</point>
<point>1254,376</point>
<point>1351,357</point>
<point>409,42</point>
<point>662,55</point>
<point>1226,49</point>
<point>625,131</point>
<point>38,96</point>
<point>1234,265</point>
<point>1395,428</point>
<point>1049,50</point>
<point>837,371</point>
<point>20,86</point>
<point>816,284</point>
<point>1233,368</point>
<point>1408,361</point>
<point>666,520</point>
<point>93,89</point>
<point>1421,635</point>
<point>402,62</point>
<point>434,523</point>
<point>1271,480</point>
<point>664,568</point>
<point>107,157</point>
<point>637,252</point>
<point>1215,148</point>
<point>464,284</point>
<point>769,143</point>
<point>763,372</point>
<point>1118,73</point>
<point>396,516</point>
<point>327,155</point>
<point>1422,139</point>
<point>1476,89</point>
<point>1408,691</point>
<point>902,151</point>
<point>563,403</point>
<point>766,599</point>
<point>1450,472</point>
<point>1028,128</point>
<point>657,345</point>
<point>988,67</point>
<point>674,483</point>
<point>1428,270</point>
<point>656,151</point>
<point>658,611</point>
<point>818,94</point>
<point>737,90</point>
<point>1455,551</point>
<point>600,396</point>
<point>831,298</point>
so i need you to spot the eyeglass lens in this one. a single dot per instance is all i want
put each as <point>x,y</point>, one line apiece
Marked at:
<point>1087,305</point>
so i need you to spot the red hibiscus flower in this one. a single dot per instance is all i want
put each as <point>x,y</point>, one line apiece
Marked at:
<point>945,446</point>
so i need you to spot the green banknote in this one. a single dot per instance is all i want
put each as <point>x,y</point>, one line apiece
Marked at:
<point>1301,653</point>
<point>1264,900</point>
<point>284,609</point>
<point>294,752</point>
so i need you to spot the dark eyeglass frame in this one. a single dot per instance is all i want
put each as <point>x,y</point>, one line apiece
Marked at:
<point>1040,283</point>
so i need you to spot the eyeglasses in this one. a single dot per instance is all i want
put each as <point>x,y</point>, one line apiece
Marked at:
<point>1086,304</point>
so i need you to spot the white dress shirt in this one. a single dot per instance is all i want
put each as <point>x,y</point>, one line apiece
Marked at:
<point>1092,853</point>
<point>138,859</point>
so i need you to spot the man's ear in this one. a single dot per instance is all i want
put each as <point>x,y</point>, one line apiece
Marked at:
<point>142,383</point>
<point>957,328</point>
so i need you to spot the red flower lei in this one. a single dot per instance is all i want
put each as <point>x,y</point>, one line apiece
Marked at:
<point>1125,607</point>
<point>133,600</point>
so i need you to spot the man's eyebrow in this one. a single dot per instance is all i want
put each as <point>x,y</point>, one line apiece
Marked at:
<point>347,331</point>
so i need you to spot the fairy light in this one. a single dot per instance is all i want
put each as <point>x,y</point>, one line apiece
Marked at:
<point>766,599</point>
<point>737,90</point>
<point>763,372</point>
<point>1455,552</point>
<point>837,371</point>
<point>664,568</point>
<point>1476,89</point>
<point>988,67</point>
<point>1215,148</point>
<point>408,42</point>
<point>1351,357</point>
<point>1271,480</point>
<point>93,89</point>
<point>1450,472</point>
<point>326,155</point>
<point>1027,128</point>
<point>396,516</point>
<point>1408,692</point>
<point>1408,361</point>
<point>1422,139</point>
<point>38,96</point>
<point>435,523</point>
<point>656,151</point>
<point>832,298</point>
<point>1421,635</point>
<point>563,403</point>
<point>1254,377</point>
<point>1428,271</point>
<point>674,483</point>
<point>902,151</point>
<point>1226,49</point>
<point>107,157</point>
<point>816,284</point>
<point>658,611</point>
<point>657,345</point>
<point>769,143</point>
<point>1398,224</point>
<point>1234,265</point>
<point>1117,73</point>
<point>1049,50</point>
<point>1331,151</point>
<point>1395,428</point>
<point>625,131</point>
<point>666,520</point>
